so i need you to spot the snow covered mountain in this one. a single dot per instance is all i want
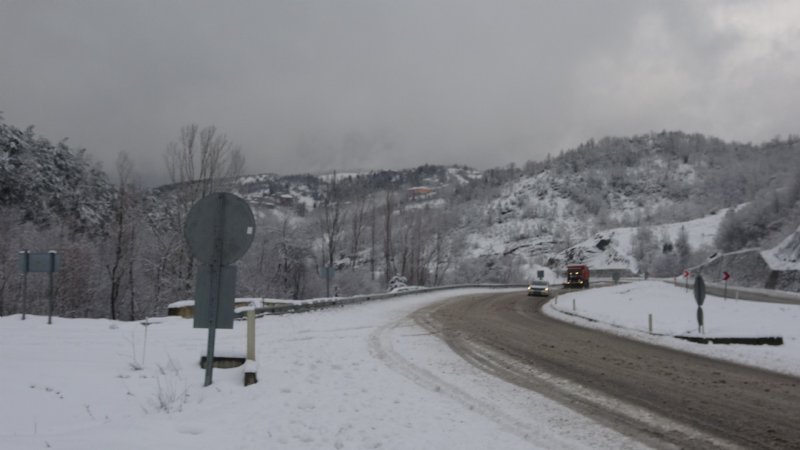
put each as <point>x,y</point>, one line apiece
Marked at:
<point>657,203</point>
<point>618,203</point>
<point>52,185</point>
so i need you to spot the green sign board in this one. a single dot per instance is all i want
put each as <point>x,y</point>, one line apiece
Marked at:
<point>39,262</point>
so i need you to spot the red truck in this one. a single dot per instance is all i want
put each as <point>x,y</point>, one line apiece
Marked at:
<point>577,276</point>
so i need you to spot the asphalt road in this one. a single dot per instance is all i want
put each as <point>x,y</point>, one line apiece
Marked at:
<point>661,397</point>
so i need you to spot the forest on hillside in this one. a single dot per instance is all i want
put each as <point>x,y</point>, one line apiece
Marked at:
<point>123,254</point>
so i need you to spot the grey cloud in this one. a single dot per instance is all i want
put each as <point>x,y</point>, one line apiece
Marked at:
<point>320,85</point>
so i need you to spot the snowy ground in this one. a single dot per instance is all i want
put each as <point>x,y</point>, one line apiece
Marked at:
<point>625,310</point>
<point>361,376</point>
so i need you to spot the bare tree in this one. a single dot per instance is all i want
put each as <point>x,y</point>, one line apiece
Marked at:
<point>196,164</point>
<point>682,247</point>
<point>122,234</point>
<point>236,163</point>
<point>9,220</point>
<point>331,220</point>
<point>357,222</point>
<point>291,271</point>
<point>441,258</point>
<point>200,159</point>
<point>388,252</point>
<point>373,214</point>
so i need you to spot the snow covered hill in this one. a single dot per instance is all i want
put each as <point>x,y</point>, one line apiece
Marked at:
<point>613,249</point>
<point>302,193</point>
<point>565,211</point>
<point>657,203</point>
<point>786,255</point>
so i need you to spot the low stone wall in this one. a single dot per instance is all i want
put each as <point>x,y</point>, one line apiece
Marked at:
<point>187,312</point>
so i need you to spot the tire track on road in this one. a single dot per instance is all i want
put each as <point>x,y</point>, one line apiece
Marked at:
<point>659,396</point>
<point>526,428</point>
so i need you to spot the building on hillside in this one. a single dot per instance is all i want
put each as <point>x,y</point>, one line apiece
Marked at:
<point>286,200</point>
<point>420,193</point>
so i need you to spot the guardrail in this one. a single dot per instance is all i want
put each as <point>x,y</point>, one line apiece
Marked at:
<point>744,293</point>
<point>297,306</point>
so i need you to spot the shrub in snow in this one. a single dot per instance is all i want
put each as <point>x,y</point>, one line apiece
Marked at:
<point>172,388</point>
<point>397,282</point>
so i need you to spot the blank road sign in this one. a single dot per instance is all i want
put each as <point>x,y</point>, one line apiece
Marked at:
<point>226,298</point>
<point>224,216</point>
<point>39,262</point>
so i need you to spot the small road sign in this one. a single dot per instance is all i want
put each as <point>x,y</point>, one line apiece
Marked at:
<point>700,296</point>
<point>725,276</point>
<point>327,272</point>
<point>226,300</point>
<point>50,263</point>
<point>699,290</point>
<point>39,262</point>
<point>218,230</point>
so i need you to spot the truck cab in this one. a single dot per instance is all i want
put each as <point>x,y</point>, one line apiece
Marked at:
<point>577,276</point>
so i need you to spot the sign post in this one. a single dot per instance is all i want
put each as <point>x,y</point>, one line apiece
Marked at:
<point>24,258</point>
<point>52,268</point>
<point>700,296</point>
<point>328,273</point>
<point>219,230</point>
<point>725,276</point>
<point>686,279</point>
<point>38,262</point>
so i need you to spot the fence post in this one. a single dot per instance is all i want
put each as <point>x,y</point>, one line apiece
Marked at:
<point>250,374</point>
<point>251,335</point>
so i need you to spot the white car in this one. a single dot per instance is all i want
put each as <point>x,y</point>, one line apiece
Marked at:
<point>539,287</point>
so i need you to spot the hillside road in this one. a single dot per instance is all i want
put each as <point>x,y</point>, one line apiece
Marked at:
<point>661,397</point>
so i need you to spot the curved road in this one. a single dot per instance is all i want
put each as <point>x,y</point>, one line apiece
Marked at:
<point>662,397</point>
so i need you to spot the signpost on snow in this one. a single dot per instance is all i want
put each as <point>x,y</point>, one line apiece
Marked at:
<point>686,278</point>
<point>38,262</point>
<point>328,273</point>
<point>700,296</point>
<point>725,276</point>
<point>219,230</point>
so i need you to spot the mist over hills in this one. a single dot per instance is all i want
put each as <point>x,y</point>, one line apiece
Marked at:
<point>658,203</point>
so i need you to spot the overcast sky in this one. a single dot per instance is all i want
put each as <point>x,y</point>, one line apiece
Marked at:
<point>314,85</point>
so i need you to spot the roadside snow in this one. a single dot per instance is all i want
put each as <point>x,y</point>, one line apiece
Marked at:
<point>362,376</point>
<point>624,310</point>
<point>786,255</point>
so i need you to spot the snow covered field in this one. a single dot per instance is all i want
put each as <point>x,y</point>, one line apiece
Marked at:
<point>362,376</point>
<point>624,310</point>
